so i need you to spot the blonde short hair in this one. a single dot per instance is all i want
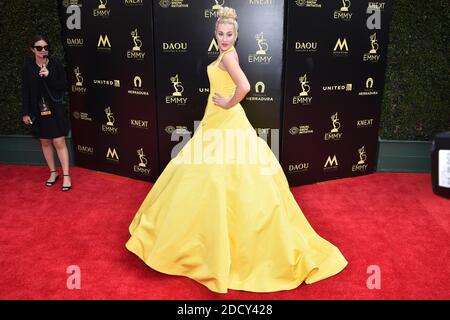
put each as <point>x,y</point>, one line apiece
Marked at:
<point>227,15</point>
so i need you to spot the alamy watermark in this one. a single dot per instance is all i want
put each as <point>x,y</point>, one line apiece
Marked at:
<point>374,280</point>
<point>227,146</point>
<point>74,278</point>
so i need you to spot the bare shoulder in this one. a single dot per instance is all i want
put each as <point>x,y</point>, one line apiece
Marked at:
<point>230,59</point>
<point>232,54</point>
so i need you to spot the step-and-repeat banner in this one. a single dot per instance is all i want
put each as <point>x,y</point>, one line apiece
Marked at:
<point>139,85</point>
<point>185,45</point>
<point>110,64</point>
<point>334,78</point>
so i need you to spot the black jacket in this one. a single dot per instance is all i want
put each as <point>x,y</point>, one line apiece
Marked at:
<point>32,88</point>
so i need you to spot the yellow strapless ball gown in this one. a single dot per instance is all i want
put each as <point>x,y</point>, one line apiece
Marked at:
<point>225,219</point>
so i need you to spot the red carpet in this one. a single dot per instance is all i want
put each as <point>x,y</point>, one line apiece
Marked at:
<point>390,220</point>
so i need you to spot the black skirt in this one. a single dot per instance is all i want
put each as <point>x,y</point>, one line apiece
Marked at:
<point>50,126</point>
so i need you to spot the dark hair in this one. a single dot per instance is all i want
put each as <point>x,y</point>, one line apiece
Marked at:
<point>37,38</point>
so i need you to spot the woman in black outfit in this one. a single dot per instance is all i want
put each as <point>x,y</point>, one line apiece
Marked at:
<point>43,84</point>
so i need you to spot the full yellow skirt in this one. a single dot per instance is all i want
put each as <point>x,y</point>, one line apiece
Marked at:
<point>227,219</point>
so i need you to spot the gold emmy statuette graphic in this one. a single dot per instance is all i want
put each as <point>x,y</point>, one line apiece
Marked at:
<point>77,72</point>
<point>102,4</point>
<point>142,158</point>
<point>261,43</point>
<point>305,86</point>
<point>362,155</point>
<point>136,40</point>
<point>177,86</point>
<point>345,5</point>
<point>110,116</point>
<point>336,123</point>
<point>374,44</point>
<point>218,6</point>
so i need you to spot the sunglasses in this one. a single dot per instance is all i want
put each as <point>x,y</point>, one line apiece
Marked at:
<point>39,48</point>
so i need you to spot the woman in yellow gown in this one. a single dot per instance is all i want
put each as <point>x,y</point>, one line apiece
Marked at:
<point>221,212</point>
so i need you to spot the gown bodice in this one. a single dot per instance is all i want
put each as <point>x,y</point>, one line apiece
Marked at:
<point>220,80</point>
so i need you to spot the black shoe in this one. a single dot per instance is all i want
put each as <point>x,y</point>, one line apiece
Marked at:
<point>66,188</point>
<point>51,183</point>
